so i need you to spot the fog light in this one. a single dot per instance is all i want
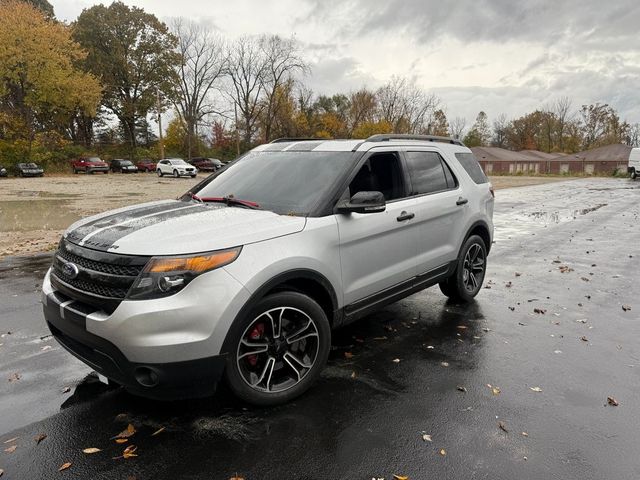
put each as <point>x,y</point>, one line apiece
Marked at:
<point>146,377</point>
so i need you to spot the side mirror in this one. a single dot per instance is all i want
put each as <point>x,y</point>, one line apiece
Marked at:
<point>363,202</point>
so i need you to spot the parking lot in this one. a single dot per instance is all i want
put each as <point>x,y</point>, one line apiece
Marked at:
<point>538,378</point>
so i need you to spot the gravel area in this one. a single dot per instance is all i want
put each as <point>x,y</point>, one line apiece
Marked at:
<point>35,211</point>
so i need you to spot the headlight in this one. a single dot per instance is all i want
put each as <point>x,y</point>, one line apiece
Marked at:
<point>164,276</point>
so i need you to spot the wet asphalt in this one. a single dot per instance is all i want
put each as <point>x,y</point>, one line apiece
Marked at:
<point>421,369</point>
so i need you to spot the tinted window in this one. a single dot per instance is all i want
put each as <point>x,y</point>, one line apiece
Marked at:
<point>283,182</point>
<point>427,172</point>
<point>471,165</point>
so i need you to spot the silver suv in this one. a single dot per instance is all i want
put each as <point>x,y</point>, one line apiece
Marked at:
<point>245,276</point>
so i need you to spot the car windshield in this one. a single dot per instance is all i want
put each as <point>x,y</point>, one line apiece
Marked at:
<point>178,162</point>
<point>125,163</point>
<point>94,159</point>
<point>284,182</point>
<point>31,165</point>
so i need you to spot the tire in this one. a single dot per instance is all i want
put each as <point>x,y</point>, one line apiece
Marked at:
<point>465,284</point>
<point>634,175</point>
<point>90,172</point>
<point>75,172</point>
<point>193,176</point>
<point>284,369</point>
<point>176,174</point>
<point>160,174</point>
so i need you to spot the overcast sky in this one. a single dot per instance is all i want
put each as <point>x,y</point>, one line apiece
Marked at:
<point>500,56</point>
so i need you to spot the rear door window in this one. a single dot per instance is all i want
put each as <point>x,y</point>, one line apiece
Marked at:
<point>428,173</point>
<point>471,165</point>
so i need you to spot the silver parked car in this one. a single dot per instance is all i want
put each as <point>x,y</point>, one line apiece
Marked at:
<point>247,274</point>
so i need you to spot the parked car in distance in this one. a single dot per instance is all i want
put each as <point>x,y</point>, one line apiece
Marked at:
<point>245,276</point>
<point>89,165</point>
<point>29,170</point>
<point>206,164</point>
<point>146,165</point>
<point>3,172</point>
<point>123,166</point>
<point>176,167</point>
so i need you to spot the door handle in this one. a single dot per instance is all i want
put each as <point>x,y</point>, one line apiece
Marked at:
<point>405,216</point>
<point>461,201</point>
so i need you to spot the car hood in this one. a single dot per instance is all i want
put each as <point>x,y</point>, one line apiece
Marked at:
<point>174,227</point>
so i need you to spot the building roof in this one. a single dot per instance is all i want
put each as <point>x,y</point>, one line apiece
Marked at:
<point>495,154</point>
<point>616,152</point>
<point>540,155</point>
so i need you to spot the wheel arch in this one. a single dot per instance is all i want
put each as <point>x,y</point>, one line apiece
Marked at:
<point>481,229</point>
<point>308,282</point>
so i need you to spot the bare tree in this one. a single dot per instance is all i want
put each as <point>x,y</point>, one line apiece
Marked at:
<point>500,125</point>
<point>203,65</point>
<point>561,110</point>
<point>247,68</point>
<point>281,63</point>
<point>457,127</point>
<point>406,107</point>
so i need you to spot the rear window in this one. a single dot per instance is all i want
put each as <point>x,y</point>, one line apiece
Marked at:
<point>429,174</point>
<point>471,165</point>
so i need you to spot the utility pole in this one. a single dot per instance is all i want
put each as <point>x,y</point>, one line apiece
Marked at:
<point>235,109</point>
<point>159,123</point>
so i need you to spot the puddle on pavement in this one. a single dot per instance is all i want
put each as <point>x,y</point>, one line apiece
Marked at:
<point>25,215</point>
<point>563,215</point>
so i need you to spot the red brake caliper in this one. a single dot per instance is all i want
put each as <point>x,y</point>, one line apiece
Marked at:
<point>256,334</point>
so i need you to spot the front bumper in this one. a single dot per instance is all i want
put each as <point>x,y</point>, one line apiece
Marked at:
<point>163,381</point>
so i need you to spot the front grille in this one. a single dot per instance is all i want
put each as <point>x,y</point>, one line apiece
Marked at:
<point>103,279</point>
<point>100,266</point>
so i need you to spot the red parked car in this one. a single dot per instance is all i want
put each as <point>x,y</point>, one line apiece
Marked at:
<point>146,165</point>
<point>89,165</point>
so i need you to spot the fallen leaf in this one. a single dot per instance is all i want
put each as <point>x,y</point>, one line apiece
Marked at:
<point>66,389</point>
<point>11,440</point>
<point>128,452</point>
<point>396,360</point>
<point>426,438</point>
<point>535,389</point>
<point>236,477</point>
<point>612,401</point>
<point>122,440</point>
<point>444,364</point>
<point>45,348</point>
<point>1,472</point>
<point>91,450</point>
<point>525,434</point>
<point>11,449</point>
<point>443,452</point>
<point>494,390</point>
<point>541,311</point>
<point>486,330</point>
<point>380,338</point>
<point>462,327</point>
<point>518,274</point>
<point>584,339</point>
<point>582,320</point>
<point>40,437</point>
<point>64,466</point>
<point>15,377</point>
<point>461,388</point>
<point>626,308</point>
<point>512,308</point>
<point>348,355</point>
<point>126,433</point>
<point>400,477</point>
<point>353,375</point>
<point>584,279</point>
<point>161,429</point>
<point>503,427</point>
<point>508,284</point>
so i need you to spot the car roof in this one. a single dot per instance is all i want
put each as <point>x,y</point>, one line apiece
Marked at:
<point>362,145</point>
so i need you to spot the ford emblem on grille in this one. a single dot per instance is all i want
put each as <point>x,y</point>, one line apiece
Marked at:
<point>70,270</point>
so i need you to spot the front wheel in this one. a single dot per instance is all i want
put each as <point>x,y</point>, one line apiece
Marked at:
<point>175,174</point>
<point>634,175</point>
<point>278,349</point>
<point>467,279</point>
<point>160,173</point>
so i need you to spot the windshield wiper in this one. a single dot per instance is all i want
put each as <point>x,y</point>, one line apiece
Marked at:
<point>229,201</point>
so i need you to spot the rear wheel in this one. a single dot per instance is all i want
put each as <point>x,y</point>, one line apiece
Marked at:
<point>75,171</point>
<point>634,175</point>
<point>278,350</point>
<point>467,280</point>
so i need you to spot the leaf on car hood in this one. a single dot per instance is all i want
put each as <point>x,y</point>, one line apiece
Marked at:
<point>535,389</point>
<point>40,437</point>
<point>127,432</point>
<point>64,466</point>
<point>157,432</point>
<point>612,401</point>
<point>91,450</point>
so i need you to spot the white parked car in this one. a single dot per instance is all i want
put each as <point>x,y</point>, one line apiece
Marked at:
<point>634,163</point>
<point>176,167</point>
<point>246,275</point>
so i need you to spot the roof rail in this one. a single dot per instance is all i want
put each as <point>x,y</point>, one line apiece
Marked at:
<point>385,137</point>
<point>293,139</point>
